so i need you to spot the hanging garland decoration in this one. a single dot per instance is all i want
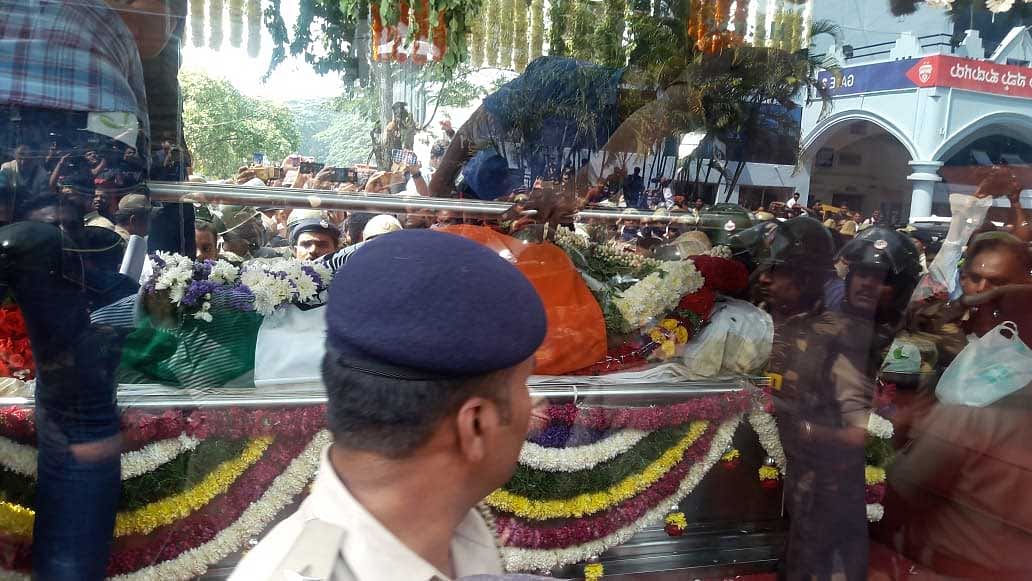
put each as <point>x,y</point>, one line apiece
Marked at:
<point>520,40</point>
<point>236,23</point>
<point>591,503</point>
<point>741,18</point>
<point>544,484</point>
<point>254,28</point>
<point>721,14</point>
<point>580,42</point>
<point>491,28</point>
<point>215,9</point>
<point>577,458</point>
<point>478,37</point>
<point>558,13</point>
<point>537,29</point>
<point>448,24</point>
<point>197,23</point>
<point>710,408</point>
<point>505,32</point>
<point>532,548</point>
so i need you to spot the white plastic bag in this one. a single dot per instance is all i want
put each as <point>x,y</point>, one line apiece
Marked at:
<point>988,369</point>
<point>290,347</point>
<point>737,341</point>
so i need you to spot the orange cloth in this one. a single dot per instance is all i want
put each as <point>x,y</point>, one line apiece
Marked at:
<point>576,335</point>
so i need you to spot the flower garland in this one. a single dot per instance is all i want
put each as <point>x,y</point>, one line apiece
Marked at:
<point>767,431</point>
<point>180,474</point>
<point>590,503</point>
<point>879,427</point>
<point>541,485</point>
<point>533,535</point>
<point>875,512</point>
<point>281,281</point>
<point>258,515</point>
<point>21,458</point>
<point>669,335</point>
<point>578,457</point>
<point>522,559</point>
<point>715,407</point>
<point>168,510</point>
<point>658,293</point>
<point>15,350</point>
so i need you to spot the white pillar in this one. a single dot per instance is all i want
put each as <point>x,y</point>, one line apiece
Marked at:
<point>924,178</point>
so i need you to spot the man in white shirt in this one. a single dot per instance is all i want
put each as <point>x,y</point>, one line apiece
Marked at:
<point>793,201</point>
<point>428,414</point>
<point>419,178</point>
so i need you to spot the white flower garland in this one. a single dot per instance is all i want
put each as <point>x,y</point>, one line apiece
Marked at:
<point>658,292</point>
<point>767,431</point>
<point>875,512</point>
<point>720,252</point>
<point>879,427</point>
<point>579,457</point>
<point>516,559</point>
<point>998,6</point>
<point>21,459</point>
<point>253,521</point>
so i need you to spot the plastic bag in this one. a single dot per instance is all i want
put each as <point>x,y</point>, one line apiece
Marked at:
<point>290,347</point>
<point>576,328</point>
<point>737,341</point>
<point>903,357</point>
<point>988,369</point>
<point>968,214</point>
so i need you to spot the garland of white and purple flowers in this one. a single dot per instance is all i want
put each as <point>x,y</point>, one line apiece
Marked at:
<point>262,286</point>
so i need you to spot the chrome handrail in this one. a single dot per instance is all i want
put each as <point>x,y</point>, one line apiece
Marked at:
<point>279,197</point>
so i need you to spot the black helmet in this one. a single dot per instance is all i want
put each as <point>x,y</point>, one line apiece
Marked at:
<point>888,250</point>
<point>801,243</point>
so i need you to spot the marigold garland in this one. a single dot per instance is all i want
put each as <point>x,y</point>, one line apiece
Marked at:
<point>593,572</point>
<point>591,503</point>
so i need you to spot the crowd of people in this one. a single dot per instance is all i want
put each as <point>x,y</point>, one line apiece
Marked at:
<point>436,407</point>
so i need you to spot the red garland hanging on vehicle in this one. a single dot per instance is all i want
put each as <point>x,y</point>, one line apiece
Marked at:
<point>424,31</point>
<point>15,352</point>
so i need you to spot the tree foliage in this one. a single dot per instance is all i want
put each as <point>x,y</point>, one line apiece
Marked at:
<point>336,138</point>
<point>224,127</point>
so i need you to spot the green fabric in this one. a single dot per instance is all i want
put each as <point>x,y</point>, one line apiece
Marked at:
<point>197,354</point>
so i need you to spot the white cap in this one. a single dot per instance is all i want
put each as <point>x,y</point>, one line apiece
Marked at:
<point>381,224</point>
<point>303,214</point>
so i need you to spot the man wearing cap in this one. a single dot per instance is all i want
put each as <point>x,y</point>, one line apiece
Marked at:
<point>428,415</point>
<point>313,238</point>
<point>133,216</point>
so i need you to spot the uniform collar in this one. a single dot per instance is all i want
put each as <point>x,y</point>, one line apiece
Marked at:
<point>373,553</point>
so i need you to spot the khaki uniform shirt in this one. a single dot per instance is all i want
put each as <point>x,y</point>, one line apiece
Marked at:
<point>333,537</point>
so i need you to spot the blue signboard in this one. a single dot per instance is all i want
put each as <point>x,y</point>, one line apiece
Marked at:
<point>869,78</point>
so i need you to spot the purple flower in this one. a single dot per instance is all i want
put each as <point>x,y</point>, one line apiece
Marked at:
<point>314,274</point>
<point>196,292</point>
<point>238,297</point>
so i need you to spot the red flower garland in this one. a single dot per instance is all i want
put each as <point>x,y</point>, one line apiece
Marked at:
<point>699,302</point>
<point>15,351</point>
<point>521,533</point>
<point>714,407</point>
<point>874,493</point>
<point>140,427</point>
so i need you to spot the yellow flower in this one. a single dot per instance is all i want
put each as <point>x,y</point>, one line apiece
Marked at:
<point>874,475</point>
<point>168,510</point>
<point>593,502</point>
<point>18,520</point>
<point>681,335</point>
<point>768,473</point>
<point>593,571</point>
<point>657,336</point>
<point>669,349</point>
<point>677,519</point>
<point>731,455</point>
<point>669,324</point>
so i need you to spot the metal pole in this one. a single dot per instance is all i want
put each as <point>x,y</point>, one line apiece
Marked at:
<point>330,200</point>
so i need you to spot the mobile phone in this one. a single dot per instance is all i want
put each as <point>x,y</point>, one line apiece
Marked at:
<point>343,174</point>
<point>310,167</point>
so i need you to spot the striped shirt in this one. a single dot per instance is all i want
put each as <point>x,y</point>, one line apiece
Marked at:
<point>70,55</point>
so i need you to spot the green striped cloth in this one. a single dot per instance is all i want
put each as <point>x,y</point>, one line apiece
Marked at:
<point>197,354</point>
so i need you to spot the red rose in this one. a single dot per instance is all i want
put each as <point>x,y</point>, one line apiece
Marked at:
<point>721,274</point>
<point>700,302</point>
<point>673,530</point>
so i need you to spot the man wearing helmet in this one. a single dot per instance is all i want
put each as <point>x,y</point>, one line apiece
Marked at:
<point>822,406</point>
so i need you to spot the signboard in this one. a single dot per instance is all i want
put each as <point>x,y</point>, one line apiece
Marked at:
<point>932,71</point>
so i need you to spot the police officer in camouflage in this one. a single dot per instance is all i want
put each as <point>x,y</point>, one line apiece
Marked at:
<point>822,406</point>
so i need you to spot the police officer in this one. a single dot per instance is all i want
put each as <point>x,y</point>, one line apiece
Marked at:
<point>428,406</point>
<point>884,268</point>
<point>822,406</point>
